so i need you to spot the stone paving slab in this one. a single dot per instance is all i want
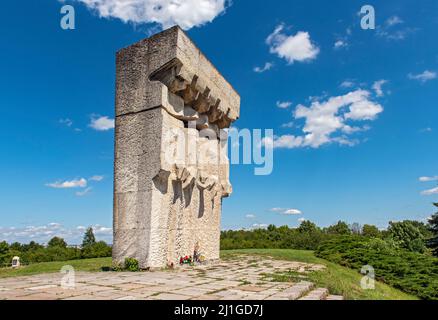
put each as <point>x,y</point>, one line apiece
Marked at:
<point>241,278</point>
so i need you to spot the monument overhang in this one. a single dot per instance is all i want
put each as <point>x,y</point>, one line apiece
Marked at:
<point>172,64</point>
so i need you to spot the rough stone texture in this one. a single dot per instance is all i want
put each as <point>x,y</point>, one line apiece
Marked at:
<point>167,95</point>
<point>235,279</point>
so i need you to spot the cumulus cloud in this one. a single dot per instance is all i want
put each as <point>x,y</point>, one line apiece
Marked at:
<point>340,44</point>
<point>286,211</point>
<point>428,179</point>
<point>75,183</point>
<point>298,47</point>
<point>266,67</point>
<point>250,216</point>
<point>166,13</point>
<point>326,121</point>
<point>430,192</point>
<point>101,123</point>
<point>44,233</point>
<point>284,104</point>
<point>377,87</point>
<point>292,212</point>
<point>424,76</point>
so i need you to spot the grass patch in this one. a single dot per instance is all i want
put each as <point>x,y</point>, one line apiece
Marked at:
<point>337,279</point>
<point>49,267</point>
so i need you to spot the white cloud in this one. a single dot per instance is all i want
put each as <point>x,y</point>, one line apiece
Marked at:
<point>347,84</point>
<point>44,233</point>
<point>286,211</point>
<point>266,67</point>
<point>293,48</point>
<point>76,183</point>
<point>102,123</point>
<point>187,14</point>
<point>324,119</point>
<point>288,125</point>
<point>67,122</point>
<point>377,87</point>
<point>394,20</point>
<point>292,212</point>
<point>301,220</point>
<point>250,216</point>
<point>84,192</point>
<point>428,179</point>
<point>430,192</point>
<point>259,226</point>
<point>392,30</point>
<point>277,209</point>
<point>424,76</point>
<point>96,178</point>
<point>284,104</point>
<point>340,44</point>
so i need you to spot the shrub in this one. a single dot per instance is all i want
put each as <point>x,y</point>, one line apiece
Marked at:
<point>131,264</point>
<point>371,231</point>
<point>407,235</point>
<point>97,250</point>
<point>57,242</point>
<point>411,272</point>
<point>340,228</point>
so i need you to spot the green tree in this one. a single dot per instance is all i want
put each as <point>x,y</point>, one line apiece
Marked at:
<point>4,247</point>
<point>89,238</point>
<point>407,236</point>
<point>340,228</point>
<point>16,246</point>
<point>433,227</point>
<point>96,250</point>
<point>57,242</point>
<point>32,247</point>
<point>307,227</point>
<point>370,231</point>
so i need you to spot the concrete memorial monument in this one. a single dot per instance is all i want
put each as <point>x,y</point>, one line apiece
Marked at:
<point>171,169</point>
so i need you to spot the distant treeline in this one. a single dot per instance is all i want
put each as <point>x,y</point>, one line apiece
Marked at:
<point>56,250</point>
<point>409,235</point>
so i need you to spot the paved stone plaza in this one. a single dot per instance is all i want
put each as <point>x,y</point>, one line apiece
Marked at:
<point>239,278</point>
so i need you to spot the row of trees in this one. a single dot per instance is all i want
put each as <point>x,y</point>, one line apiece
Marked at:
<point>56,250</point>
<point>409,235</point>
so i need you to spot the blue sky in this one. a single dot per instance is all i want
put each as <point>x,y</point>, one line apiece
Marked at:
<point>290,61</point>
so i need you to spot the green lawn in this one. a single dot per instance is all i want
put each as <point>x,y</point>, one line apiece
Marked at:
<point>338,279</point>
<point>46,267</point>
